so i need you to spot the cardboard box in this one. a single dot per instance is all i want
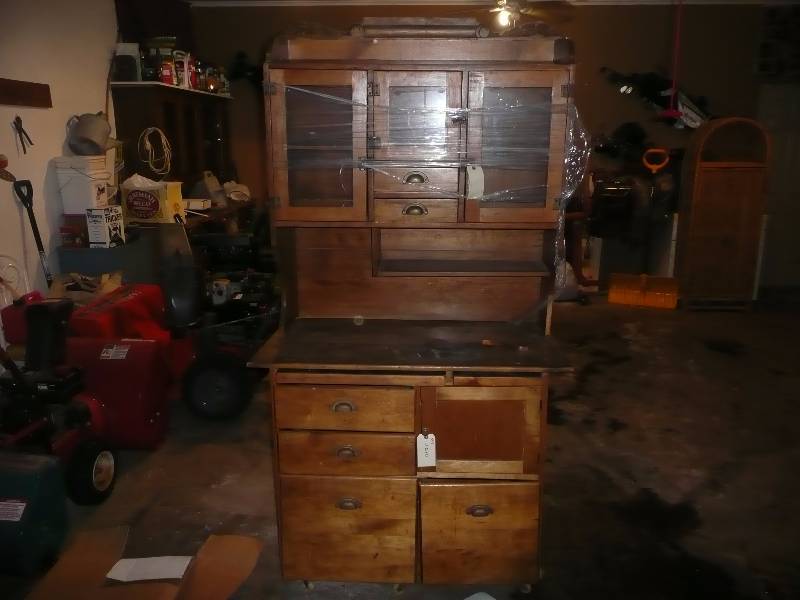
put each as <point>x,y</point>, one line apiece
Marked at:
<point>157,203</point>
<point>105,227</point>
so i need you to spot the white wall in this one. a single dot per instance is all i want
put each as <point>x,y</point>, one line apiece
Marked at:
<point>67,45</point>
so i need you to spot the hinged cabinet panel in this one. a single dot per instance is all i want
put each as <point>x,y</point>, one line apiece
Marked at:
<point>517,136</point>
<point>479,532</point>
<point>484,430</point>
<point>416,115</point>
<point>317,123</point>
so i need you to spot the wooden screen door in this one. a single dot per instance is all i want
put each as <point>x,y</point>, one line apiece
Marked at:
<point>516,135</point>
<point>317,130</point>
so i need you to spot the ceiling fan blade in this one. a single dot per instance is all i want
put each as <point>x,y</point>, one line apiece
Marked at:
<point>552,12</point>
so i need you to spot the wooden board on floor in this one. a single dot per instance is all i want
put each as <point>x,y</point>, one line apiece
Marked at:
<point>220,567</point>
<point>147,590</point>
<point>83,565</point>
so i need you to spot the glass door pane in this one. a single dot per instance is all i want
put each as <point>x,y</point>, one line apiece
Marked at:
<point>515,141</point>
<point>317,132</point>
<point>319,136</point>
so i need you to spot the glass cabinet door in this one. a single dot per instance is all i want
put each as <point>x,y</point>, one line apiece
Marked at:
<point>415,115</point>
<point>317,131</point>
<point>516,144</point>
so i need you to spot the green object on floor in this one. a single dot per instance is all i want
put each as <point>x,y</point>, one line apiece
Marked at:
<point>33,512</point>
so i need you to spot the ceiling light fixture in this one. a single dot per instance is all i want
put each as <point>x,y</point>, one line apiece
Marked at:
<point>504,17</point>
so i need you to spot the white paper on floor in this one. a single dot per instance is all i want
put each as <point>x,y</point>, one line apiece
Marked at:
<point>480,596</point>
<point>154,567</point>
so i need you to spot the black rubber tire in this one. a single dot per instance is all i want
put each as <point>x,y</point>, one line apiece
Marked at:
<point>91,473</point>
<point>217,386</point>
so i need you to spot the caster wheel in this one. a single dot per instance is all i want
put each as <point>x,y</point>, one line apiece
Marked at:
<point>309,585</point>
<point>398,588</point>
<point>526,589</point>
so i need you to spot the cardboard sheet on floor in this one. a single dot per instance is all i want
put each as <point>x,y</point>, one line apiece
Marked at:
<point>82,567</point>
<point>221,565</point>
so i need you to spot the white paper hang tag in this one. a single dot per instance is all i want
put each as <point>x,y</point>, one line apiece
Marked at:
<point>426,450</point>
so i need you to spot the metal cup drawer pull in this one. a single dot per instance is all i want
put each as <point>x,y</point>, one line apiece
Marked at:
<point>415,210</point>
<point>415,177</point>
<point>343,406</point>
<point>480,510</point>
<point>346,452</point>
<point>348,504</point>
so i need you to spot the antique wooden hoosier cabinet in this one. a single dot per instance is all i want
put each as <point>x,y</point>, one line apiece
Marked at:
<point>416,170</point>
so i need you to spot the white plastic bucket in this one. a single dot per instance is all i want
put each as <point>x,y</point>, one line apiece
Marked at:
<point>83,182</point>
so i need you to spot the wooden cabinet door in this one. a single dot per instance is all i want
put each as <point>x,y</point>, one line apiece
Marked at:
<point>516,136</point>
<point>484,430</point>
<point>416,116</point>
<point>348,528</point>
<point>316,125</point>
<point>479,532</point>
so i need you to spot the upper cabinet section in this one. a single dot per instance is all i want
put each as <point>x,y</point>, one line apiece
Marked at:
<point>401,132</point>
<point>516,144</point>
<point>317,123</point>
<point>416,116</point>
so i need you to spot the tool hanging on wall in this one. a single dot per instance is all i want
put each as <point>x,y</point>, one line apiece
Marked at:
<point>21,134</point>
<point>24,191</point>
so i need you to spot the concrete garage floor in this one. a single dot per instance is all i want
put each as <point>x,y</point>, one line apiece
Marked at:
<point>673,468</point>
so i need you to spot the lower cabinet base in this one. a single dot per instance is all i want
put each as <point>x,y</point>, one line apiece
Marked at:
<point>366,529</point>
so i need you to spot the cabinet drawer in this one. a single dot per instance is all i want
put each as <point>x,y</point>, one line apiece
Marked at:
<point>342,407</point>
<point>408,210</point>
<point>412,182</point>
<point>479,532</point>
<point>331,453</point>
<point>348,528</point>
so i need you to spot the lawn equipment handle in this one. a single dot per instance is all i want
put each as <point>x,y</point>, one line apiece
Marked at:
<point>24,191</point>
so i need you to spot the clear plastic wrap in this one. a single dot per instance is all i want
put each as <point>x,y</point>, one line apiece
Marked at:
<point>412,139</point>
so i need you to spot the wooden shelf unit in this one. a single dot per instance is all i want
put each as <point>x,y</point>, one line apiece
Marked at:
<point>411,306</point>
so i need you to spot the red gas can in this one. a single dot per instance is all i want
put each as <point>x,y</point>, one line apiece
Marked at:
<point>130,379</point>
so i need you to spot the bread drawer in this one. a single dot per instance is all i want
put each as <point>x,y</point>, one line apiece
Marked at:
<point>348,528</point>
<point>413,182</point>
<point>411,211</point>
<point>343,407</point>
<point>484,532</point>
<point>333,453</point>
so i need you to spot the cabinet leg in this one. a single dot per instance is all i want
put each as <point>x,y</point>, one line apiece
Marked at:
<point>309,585</point>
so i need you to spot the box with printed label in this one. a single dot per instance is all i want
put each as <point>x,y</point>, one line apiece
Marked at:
<point>105,227</point>
<point>158,202</point>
